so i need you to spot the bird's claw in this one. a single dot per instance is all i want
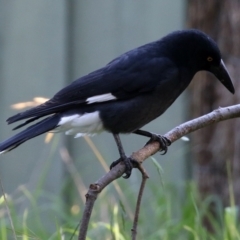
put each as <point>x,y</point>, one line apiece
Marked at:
<point>163,141</point>
<point>129,164</point>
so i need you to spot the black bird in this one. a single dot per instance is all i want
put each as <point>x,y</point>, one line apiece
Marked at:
<point>129,92</point>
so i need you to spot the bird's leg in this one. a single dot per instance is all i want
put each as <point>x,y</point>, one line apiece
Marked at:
<point>129,162</point>
<point>163,141</point>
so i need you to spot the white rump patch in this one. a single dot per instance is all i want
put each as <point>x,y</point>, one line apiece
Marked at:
<point>100,98</point>
<point>80,125</point>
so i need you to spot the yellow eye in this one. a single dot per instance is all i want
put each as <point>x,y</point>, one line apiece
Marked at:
<point>209,59</point>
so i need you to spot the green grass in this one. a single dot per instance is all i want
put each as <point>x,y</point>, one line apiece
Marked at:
<point>165,214</point>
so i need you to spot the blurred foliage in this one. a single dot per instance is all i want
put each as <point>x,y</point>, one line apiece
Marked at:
<point>168,215</point>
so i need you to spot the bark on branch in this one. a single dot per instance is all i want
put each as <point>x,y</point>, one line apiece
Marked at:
<point>141,155</point>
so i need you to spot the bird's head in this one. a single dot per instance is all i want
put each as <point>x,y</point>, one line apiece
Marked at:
<point>200,52</point>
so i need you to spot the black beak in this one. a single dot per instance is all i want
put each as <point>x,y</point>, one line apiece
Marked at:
<point>223,76</point>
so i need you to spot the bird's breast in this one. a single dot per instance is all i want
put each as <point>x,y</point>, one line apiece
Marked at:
<point>125,116</point>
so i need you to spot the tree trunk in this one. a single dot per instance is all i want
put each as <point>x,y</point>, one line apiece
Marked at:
<point>216,147</point>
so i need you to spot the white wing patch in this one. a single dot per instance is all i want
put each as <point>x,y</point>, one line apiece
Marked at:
<point>80,125</point>
<point>100,98</point>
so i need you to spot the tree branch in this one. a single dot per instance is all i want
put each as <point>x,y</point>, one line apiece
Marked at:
<point>141,155</point>
<point>139,199</point>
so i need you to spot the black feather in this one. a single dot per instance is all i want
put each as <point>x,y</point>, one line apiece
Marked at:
<point>41,127</point>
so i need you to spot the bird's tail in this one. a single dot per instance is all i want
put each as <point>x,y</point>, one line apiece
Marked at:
<point>41,127</point>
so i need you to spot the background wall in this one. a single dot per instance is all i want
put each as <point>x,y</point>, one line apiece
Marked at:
<point>45,45</point>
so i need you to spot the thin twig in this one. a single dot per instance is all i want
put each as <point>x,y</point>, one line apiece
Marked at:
<point>141,155</point>
<point>139,199</point>
<point>90,199</point>
<point>92,194</point>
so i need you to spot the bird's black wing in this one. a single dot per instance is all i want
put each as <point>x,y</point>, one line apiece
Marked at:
<point>125,77</point>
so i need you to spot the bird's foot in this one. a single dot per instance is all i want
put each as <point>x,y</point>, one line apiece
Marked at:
<point>163,141</point>
<point>130,163</point>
